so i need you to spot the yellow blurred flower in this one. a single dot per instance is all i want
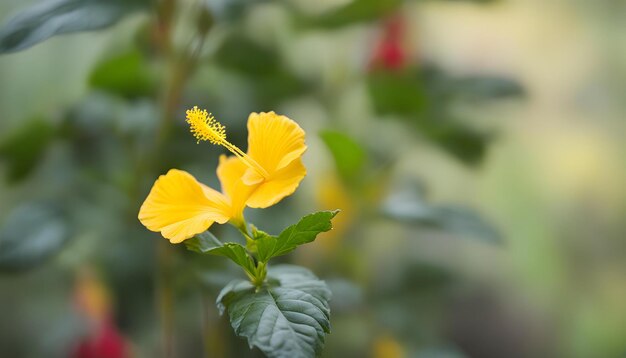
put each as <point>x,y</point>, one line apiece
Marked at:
<point>180,207</point>
<point>331,193</point>
<point>387,347</point>
<point>91,295</point>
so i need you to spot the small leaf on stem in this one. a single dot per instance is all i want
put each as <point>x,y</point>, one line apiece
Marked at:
<point>207,243</point>
<point>305,231</point>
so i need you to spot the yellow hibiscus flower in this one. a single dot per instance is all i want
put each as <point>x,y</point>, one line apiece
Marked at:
<point>180,207</point>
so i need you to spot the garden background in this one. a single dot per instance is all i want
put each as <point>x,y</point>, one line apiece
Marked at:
<point>475,149</point>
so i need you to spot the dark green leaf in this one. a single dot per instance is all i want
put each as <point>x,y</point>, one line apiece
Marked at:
<point>462,142</point>
<point>275,87</point>
<point>484,87</point>
<point>354,12</point>
<point>305,231</point>
<point>397,93</point>
<point>240,53</point>
<point>204,20</point>
<point>50,18</point>
<point>31,234</point>
<point>126,75</point>
<point>288,318</point>
<point>423,99</point>
<point>207,243</point>
<point>231,10</point>
<point>407,206</point>
<point>23,149</point>
<point>270,81</point>
<point>349,155</point>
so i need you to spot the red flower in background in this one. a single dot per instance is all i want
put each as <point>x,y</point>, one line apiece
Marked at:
<point>102,338</point>
<point>390,52</point>
<point>104,342</point>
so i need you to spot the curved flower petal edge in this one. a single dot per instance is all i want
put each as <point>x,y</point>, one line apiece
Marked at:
<point>277,144</point>
<point>271,169</point>
<point>179,207</point>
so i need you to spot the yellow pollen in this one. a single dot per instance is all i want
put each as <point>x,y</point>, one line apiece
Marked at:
<point>203,126</point>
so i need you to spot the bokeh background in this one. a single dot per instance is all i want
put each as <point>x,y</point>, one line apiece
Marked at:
<point>475,148</point>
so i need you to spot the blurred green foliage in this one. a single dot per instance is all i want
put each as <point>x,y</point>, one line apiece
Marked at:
<point>126,74</point>
<point>262,69</point>
<point>424,99</point>
<point>349,156</point>
<point>353,12</point>
<point>51,18</point>
<point>23,149</point>
<point>502,158</point>
<point>31,234</point>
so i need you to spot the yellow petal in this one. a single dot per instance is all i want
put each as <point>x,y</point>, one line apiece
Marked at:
<point>283,183</point>
<point>180,207</point>
<point>230,171</point>
<point>252,177</point>
<point>274,141</point>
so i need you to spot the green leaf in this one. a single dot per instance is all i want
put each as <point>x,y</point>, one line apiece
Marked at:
<point>231,10</point>
<point>408,206</point>
<point>31,234</point>
<point>261,66</point>
<point>50,18</point>
<point>354,12</point>
<point>488,88</point>
<point>424,99</point>
<point>349,155</point>
<point>288,318</point>
<point>23,149</point>
<point>242,54</point>
<point>207,243</point>
<point>305,231</point>
<point>126,75</point>
<point>397,93</point>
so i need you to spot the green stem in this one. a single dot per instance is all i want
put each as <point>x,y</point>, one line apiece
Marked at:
<point>242,226</point>
<point>165,298</point>
<point>213,337</point>
<point>260,273</point>
<point>243,229</point>
<point>179,67</point>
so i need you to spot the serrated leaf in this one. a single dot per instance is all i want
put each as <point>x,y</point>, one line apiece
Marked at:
<point>207,243</point>
<point>31,234</point>
<point>349,155</point>
<point>288,318</point>
<point>305,231</point>
<point>50,18</point>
